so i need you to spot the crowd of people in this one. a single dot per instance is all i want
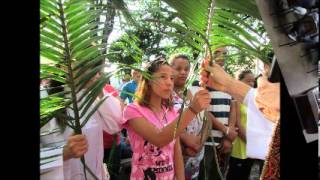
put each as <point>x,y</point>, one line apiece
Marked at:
<point>160,123</point>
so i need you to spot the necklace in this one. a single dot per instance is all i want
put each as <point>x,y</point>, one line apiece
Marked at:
<point>164,117</point>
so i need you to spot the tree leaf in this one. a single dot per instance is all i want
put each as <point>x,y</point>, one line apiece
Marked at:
<point>52,35</point>
<point>88,66</point>
<point>85,42</point>
<point>55,28</point>
<point>94,92</point>
<point>86,63</point>
<point>95,108</point>
<point>51,42</point>
<point>79,32</point>
<point>49,55</point>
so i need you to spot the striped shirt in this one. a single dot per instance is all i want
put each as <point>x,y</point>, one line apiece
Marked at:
<point>220,108</point>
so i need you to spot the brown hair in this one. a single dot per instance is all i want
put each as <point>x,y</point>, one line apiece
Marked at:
<point>144,91</point>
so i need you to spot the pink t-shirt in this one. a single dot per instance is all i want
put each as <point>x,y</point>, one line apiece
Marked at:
<point>148,160</point>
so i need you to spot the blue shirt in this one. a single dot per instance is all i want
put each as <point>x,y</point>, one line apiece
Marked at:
<point>129,87</point>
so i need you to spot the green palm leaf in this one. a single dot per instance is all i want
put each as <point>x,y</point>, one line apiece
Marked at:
<point>242,6</point>
<point>228,29</point>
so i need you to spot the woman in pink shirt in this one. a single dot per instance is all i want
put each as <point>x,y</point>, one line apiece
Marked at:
<point>151,122</point>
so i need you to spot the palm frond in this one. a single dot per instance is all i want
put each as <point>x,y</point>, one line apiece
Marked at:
<point>228,29</point>
<point>68,40</point>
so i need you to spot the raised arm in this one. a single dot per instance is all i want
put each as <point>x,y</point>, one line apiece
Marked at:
<point>222,81</point>
<point>161,137</point>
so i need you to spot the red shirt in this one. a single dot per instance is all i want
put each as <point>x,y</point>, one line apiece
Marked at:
<point>109,89</point>
<point>108,140</point>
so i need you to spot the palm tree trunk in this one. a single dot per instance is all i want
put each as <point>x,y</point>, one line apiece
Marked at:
<point>108,24</point>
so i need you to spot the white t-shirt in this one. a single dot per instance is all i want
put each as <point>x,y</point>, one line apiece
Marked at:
<point>259,129</point>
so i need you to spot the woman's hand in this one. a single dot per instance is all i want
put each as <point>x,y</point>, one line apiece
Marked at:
<point>201,100</point>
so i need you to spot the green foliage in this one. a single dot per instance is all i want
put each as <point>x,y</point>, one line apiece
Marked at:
<point>235,25</point>
<point>238,60</point>
<point>170,27</point>
<point>67,41</point>
<point>126,50</point>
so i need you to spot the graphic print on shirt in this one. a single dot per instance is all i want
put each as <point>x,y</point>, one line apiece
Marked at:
<point>153,155</point>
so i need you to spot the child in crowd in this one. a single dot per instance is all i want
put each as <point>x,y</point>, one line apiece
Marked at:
<point>153,125</point>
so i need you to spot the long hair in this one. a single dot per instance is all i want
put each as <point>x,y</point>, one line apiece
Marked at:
<point>144,90</point>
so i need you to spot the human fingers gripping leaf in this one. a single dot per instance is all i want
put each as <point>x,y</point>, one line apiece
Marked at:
<point>218,78</point>
<point>203,77</point>
<point>201,100</point>
<point>77,145</point>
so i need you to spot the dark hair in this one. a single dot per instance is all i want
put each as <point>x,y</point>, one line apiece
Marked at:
<point>243,73</point>
<point>143,90</point>
<point>177,56</point>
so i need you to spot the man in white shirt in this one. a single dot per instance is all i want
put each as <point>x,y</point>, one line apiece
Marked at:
<point>263,102</point>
